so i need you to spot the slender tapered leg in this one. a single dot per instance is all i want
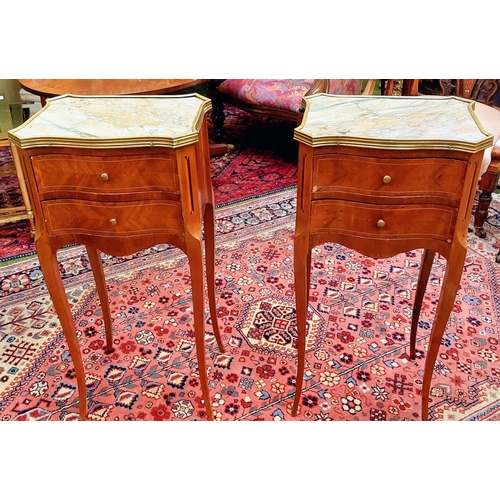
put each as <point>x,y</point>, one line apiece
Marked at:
<point>302,270</point>
<point>308,269</point>
<point>423,278</point>
<point>195,256</point>
<point>447,297</point>
<point>50,269</point>
<point>209,225</point>
<point>100,281</point>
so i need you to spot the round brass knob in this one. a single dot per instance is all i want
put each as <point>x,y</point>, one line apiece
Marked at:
<point>387,179</point>
<point>381,223</point>
<point>113,222</point>
<point>104,177</point>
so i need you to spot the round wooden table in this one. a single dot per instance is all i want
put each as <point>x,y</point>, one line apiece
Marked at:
<point>51,88</point>
<point>87,87</point>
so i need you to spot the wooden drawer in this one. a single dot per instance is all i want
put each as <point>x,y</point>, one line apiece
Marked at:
<point>63,176</point>
<point>112,219</point>
<point>383,221</point>
<point>417,180</point>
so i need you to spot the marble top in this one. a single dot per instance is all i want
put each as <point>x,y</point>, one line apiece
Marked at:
<point>392,123</point>
<point>114,121</point>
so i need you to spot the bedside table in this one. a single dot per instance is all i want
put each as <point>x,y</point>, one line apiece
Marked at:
<point>382,176</point>
<point>119,174</point>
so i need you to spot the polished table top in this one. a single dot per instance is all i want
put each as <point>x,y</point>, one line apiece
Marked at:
<point>113,121</point>
<point>392,123</point>
<point>52,88</point>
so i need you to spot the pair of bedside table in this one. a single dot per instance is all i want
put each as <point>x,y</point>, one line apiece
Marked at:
<point>381,175</point>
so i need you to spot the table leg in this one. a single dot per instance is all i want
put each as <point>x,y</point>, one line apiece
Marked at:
<point>423,278</point>
<point>195,256</point>
<point>52,276</point>
<point>209,226</point>
<point>302,271</point>
<point>447,298</point>
<point>220,148</point>
<point>100,281</point>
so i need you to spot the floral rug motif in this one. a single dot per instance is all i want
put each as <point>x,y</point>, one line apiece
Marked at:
<point>357,365</point>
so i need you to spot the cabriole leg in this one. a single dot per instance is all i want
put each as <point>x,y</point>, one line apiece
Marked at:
<point>423,278</point>
<point>100,280</point>
<point>50,269</point>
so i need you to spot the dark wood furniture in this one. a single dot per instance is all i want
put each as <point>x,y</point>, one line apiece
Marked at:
<point>99,178</point>
<point>386,175</point>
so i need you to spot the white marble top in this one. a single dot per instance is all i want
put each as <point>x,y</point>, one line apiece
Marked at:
<point>392,123</point>
<point>114,121</point>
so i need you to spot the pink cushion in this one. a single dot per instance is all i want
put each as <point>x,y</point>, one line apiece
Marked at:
<point>345,87</point>
<point>273,94</point>
<point>282,94</point>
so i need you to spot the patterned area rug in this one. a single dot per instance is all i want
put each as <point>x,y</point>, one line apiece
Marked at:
<point>264,159</point>
<point>360,309</point>
<point>357,362</point>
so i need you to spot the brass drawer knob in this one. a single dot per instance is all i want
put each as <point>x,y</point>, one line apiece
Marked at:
<point>113,222</point>
<point>387,179</point>
<point>381,223</point>
<point>104,177</point>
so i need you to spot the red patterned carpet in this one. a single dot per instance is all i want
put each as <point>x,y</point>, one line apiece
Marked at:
<point>360,312</point>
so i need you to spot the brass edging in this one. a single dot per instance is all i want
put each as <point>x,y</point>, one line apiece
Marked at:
<point>396,144</point>
<point>112,143</point>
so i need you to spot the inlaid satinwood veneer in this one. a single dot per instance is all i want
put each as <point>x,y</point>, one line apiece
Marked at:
<point>386,175</point>
<point>118,174</point>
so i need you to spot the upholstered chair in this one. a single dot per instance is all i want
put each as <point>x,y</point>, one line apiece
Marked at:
<point>278,98</point>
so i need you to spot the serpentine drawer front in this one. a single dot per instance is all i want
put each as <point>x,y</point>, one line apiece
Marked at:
<point>395,180</point>
<point>383,221</point>
<point>386,175</point>
<point>112,219</point>
<point>118,174</point>
<point>86,176</point>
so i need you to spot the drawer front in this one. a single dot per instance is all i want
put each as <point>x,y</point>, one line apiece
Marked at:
<point>64,175</point>
<point>417,180</point>
<point>111,219</point>
<point>383,221</point>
